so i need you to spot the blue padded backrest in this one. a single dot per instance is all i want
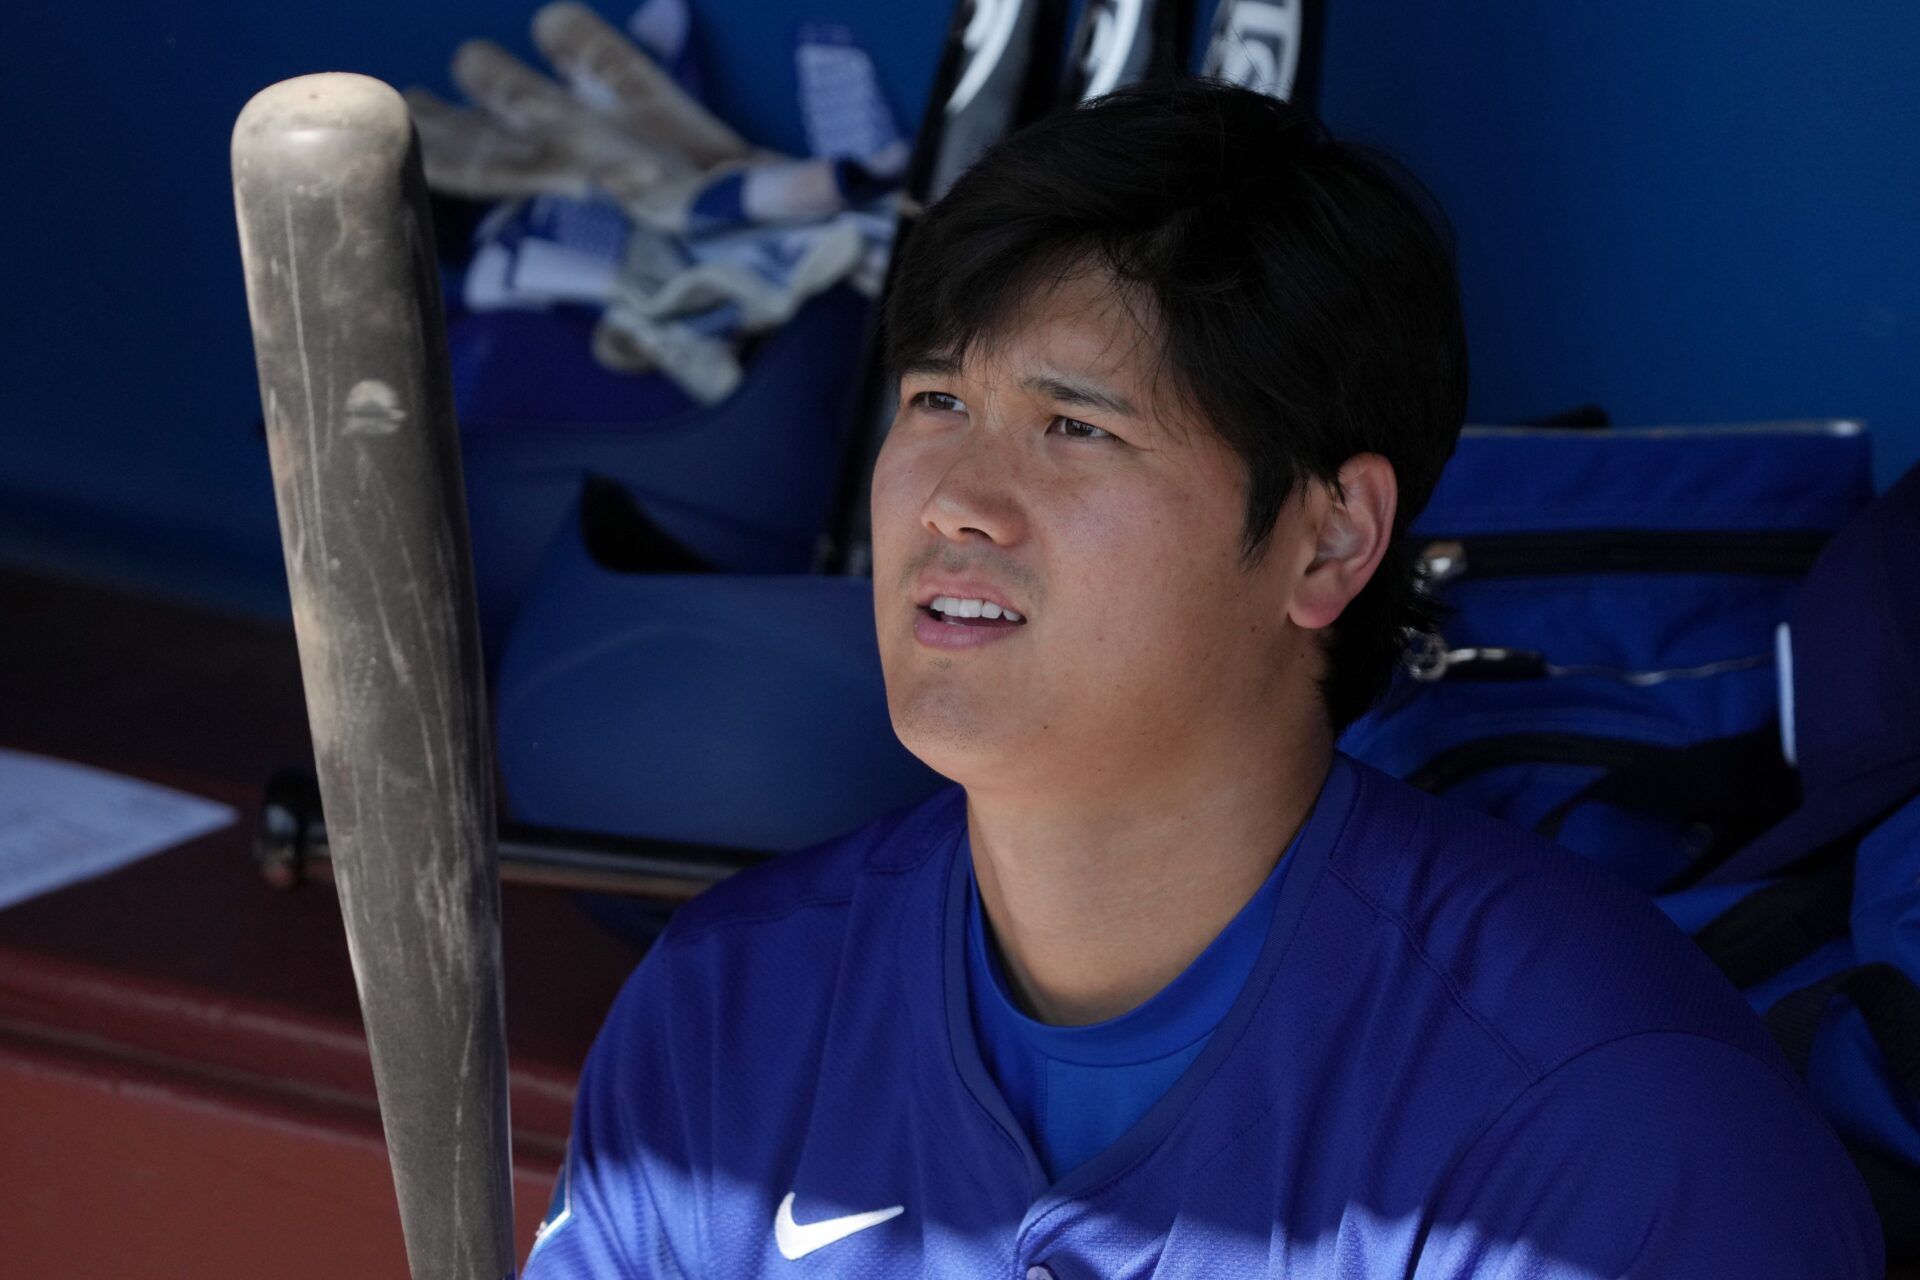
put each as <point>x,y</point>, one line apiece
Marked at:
<point>746,484</point>
<point>723,709</point>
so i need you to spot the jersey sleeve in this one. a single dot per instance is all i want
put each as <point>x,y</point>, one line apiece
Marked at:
<point>622,1202</point>
<point>1659,1155</point>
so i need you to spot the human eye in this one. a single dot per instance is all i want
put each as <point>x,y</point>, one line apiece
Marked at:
<point>1074,429</point>
<point>937,401</point>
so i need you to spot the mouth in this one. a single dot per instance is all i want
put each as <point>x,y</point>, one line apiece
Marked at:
<point>953,622</point>
<point>955,611</point>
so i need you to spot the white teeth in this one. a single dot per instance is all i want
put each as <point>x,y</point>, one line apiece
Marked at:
<point>955,607</point>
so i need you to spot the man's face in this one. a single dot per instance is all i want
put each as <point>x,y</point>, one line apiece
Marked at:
<point>1048,473</point>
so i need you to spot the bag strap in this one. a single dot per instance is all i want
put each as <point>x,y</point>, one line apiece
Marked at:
<point>1738,786</point>
<point>1894,1188</point>
<point>1781,924</point>
<point>1885,997</point>
<point>1890,1003</point>
<point>1741,864</point>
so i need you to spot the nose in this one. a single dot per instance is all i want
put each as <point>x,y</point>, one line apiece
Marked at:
<point>976,498</point>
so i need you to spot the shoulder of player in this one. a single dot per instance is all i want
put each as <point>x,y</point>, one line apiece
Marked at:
<point>1545,949</point>
<point>823,877</point>
<point>1587,1162</point>
<point>763,944</point>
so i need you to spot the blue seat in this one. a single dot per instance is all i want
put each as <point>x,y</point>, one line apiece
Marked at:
<point>745,485</point>
<point>742,710</point>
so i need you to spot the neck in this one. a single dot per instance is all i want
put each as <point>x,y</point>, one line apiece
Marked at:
<point>1098,902</point>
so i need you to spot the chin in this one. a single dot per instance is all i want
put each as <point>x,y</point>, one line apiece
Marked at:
<point>950,732</point>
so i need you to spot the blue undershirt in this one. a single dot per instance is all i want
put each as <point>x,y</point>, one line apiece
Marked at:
<point>1076,1089</point>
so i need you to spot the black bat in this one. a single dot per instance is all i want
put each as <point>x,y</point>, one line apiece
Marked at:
<point>350,346</point>
<point>996,73</point>
<point>1272,46</point>
<point>1121,41</point>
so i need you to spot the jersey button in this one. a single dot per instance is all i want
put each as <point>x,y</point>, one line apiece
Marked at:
<point>1039,1273</point>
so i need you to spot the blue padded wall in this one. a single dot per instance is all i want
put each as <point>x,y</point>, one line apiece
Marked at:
<point>1693,210</point>
<point>126,436</point>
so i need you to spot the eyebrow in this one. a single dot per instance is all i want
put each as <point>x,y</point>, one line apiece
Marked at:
<point>931,366</point>
<point>1072,391</point>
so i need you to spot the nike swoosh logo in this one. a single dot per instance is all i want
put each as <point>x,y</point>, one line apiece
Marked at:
<point>797,1240</point>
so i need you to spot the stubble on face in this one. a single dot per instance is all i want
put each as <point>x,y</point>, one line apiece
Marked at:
<point>1149,632</point>
<point>935,710</point>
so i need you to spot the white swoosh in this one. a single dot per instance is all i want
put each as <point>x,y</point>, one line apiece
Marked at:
<point>797,1241</point>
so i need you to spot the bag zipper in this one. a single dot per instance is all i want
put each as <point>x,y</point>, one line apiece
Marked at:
<point>1428,657</point>
<point>1769,552</point>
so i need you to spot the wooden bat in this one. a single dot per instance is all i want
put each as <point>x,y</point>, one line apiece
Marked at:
<point>351,350</point>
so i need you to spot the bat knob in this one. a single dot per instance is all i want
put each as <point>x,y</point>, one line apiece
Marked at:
<point>321,127</point>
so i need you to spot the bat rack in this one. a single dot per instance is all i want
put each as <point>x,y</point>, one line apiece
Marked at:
<point>290,848</point>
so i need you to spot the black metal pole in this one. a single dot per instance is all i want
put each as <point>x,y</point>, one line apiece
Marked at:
<point>291,847</point>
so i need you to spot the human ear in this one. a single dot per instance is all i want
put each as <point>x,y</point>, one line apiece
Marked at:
<point>1352,528</point>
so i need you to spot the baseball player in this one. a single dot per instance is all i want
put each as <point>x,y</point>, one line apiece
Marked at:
<point>1167,986</point>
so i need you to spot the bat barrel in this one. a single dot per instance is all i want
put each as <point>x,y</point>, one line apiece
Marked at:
<point>350,348</point>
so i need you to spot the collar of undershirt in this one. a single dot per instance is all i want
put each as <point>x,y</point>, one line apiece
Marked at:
<point>1179,1014</point>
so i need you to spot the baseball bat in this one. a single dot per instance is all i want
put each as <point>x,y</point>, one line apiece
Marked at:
<point>351,352</point>
<point>995,74</point>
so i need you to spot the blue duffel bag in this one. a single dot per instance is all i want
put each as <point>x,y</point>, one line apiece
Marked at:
<point>1604,670</point>
<point>1694,657</point>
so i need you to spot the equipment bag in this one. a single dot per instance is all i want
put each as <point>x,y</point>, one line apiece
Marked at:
<point>1818,919</point>
<point>1604,671</point>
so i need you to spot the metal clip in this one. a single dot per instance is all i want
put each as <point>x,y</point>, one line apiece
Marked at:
<point>1425,655</point>
<point>1428,659</point>
<point>1440,563</point>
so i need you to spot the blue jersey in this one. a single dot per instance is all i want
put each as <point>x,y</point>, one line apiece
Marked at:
<point>1461,1053</point>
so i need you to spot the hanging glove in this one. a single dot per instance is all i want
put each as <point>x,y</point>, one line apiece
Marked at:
<point>725,240</point>
<point>673,316</point>
<point>619,124</point>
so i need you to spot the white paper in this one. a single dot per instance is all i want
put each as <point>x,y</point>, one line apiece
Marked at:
<point>61,823</point>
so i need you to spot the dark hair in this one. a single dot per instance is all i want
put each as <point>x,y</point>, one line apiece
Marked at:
<point>1303,290</point>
